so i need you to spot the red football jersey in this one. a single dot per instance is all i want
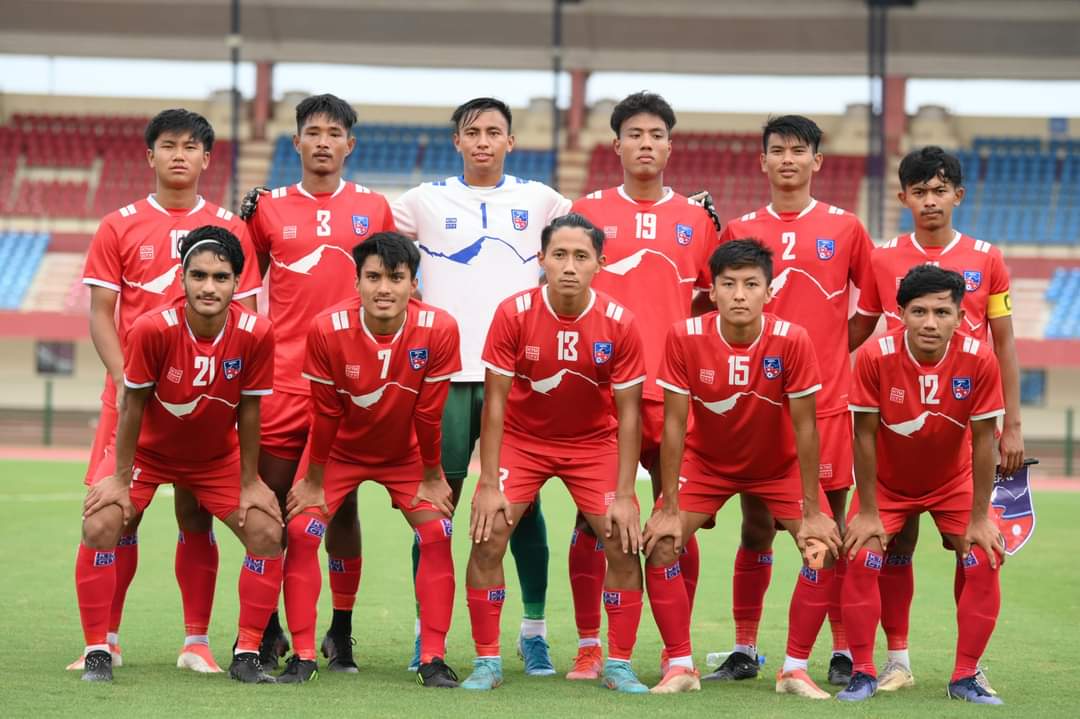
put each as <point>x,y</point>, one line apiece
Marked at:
<point>379,386</point>
<point>136,252</point>
<point>190,421</point>
<point>816,254</point>
<point>657,253</point>
<point>986,279</point>
<point>922,443</point>
<point>565,370</point>
<point>739,394</point>
<point>309,240</point>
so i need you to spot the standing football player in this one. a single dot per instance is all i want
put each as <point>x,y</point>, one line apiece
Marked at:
<point>931,187</point>
<point>304,235</point>
<point>751,378</point>
<point>133,265</point>
<point>479,236</point>
<point>195,371</point>
<point>922,394</point>
<point>562,398</point>
<point>818,250</point>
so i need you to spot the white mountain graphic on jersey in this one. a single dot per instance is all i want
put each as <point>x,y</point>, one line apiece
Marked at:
<point>630,262</point>
<point>543,386</point>
<point>781,279</point>
<point>364,401</point>
<point>304,265</point>
<point>906,429</point>
<point>183,410</point>
<point>721,406</point>
<point>159,284</point>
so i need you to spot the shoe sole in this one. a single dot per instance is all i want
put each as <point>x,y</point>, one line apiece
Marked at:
<point>678,686</point>
<point>801,689</point>
<point>192,661</point>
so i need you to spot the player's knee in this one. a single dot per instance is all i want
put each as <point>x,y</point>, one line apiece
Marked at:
<point>490,553</point>
<point>101,530</point>
<point>624,567</point>
<point>663,553</point>
<point>262,535</point>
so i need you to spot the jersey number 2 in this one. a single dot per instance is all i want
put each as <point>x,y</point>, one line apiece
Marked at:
<point>788,238</point>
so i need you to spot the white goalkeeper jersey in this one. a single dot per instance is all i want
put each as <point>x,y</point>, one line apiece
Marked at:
<point>477,246</point>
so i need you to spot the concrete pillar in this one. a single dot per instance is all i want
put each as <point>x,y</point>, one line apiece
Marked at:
<point>263,106</point>
<point>575,118</point>
<point>895,116</point>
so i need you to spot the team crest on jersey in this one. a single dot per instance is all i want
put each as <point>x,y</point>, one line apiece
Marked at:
<point>418,358</point>
<point>961,387</point>
<point>972,280</point>
<point>231,368</point>
<point>684,234</point>
<point>773,367</point>
<point>360,224</point>
<point>601,352</point>
<point>826,248</point>
<point>520,218</point>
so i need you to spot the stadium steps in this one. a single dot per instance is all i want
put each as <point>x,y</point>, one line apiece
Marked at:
<point>52,285</point>
<point>253,165</point>
<point>573,172</point>
<point>1030,310</point>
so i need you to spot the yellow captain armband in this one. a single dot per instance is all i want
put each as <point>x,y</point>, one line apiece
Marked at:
<point>999,305</point>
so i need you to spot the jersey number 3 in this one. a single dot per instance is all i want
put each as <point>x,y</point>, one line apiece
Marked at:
<point>322,218</point>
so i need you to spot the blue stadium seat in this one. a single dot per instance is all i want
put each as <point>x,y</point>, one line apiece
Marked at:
<point>20,255</point>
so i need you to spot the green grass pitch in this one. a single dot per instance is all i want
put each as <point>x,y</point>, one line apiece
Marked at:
<point>1029,658</point>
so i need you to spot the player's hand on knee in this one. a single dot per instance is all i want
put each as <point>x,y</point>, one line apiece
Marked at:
<point>256,495</point>
<point>663,523</point>
<point>302,495</point>
<point>864,527</point>
<point>251,201</point>
<point>1011,448</point>
<point>436,491</point>
<point>821,527</point>
<point>487,502</point>
<point>623,518</point>
<point>983,532</point>
<point>110,490</point>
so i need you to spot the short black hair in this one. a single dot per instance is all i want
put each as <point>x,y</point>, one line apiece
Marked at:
<point>331,106</point>
<point>573,220</point>
<point>180,120</point>
<point>792,126</point>
<point>922,280</point>
<point>467,112</point>
<point>927,163</point>
<point>745,252</point>
<point>393,248</point>
<point>219,241</point>
<point>645,102</point>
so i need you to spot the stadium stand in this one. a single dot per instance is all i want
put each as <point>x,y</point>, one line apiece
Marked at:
<point>1063,294</point>
<point>20,255</point>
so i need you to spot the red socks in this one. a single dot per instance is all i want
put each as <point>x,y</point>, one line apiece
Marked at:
<point>127,559</point>
<point>862,608</point>
<point>344,581</point>
<point>809,605</point>
<point>753,570</point>
<point>95,585</point>
<point>690,562</point>
<point>303,581</point>
<point>836,619</point>
<point>623,608</point>
<point>977,611</point>
<point>196,573</point>
<point>485,608</point>
<point>435,587</point>
<point>259,586</point>
<point>587,569</point>
<point>670,607</point>
<point>897,584</point>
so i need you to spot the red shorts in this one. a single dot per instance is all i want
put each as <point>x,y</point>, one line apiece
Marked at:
<point>591,480</point>
<point>401,480</point>
<point>286,421</point>
<point>703,492</point>
<point>105,436</point>
<point>217,489</point>
<point>950,507</point>
<point>836,459</point>
<point>652,429</point>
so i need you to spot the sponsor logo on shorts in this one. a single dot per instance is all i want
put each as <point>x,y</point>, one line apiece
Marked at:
<point>104,559</point>
<point>961,387</point>
<point>315,528</point>
<point>826,248</point>
<point>707,376</point>
<point>972,280</point>
<point>611,232</point>
<point>146,252</point>
<point>684,234</point>
<point>174,375</point>
<point>896,395</point>
<point>232,367</point>
<point>520,218</point>
<point>352,371</point>
<point>447,527</point>
<point>873,560</point>
<point>773,367</point>
<point>253,565</point>
<point>809,574</point>
<point>496,595</point>
<point>360,224</point>
<point>288,232</point>
<point>673,571</point>
<point>825,471</point>
<point>612,599</point>
<point>336,565</point>
<point>532,353</point>
<point>418,357</point>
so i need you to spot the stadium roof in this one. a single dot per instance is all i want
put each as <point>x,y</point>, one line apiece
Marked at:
<point>1033,39</point>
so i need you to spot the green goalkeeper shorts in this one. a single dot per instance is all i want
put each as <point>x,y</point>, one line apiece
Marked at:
<point>461,427</point>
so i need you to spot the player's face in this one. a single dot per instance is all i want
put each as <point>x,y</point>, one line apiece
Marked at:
<point>323,144</point>
<point>209,283</point>
<point>930,321</point>
<point>384,293</point>
<point>932,202</point>
<point>178,159</point>
<point>570,262</point>
<point>483,142</point>
<point>740,294</point>
<point>643,145</point>
<point>789,162</point>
